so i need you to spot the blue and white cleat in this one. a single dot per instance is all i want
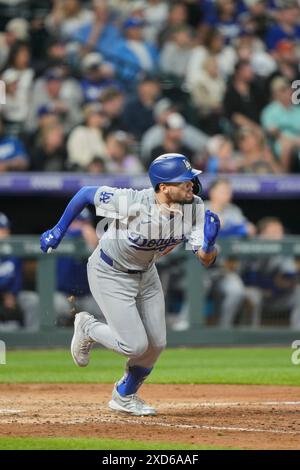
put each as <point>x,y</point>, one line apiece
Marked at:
<point>81,343</point>
<point>130,404</point>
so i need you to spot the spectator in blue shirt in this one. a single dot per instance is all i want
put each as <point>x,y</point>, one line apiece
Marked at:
<point>12,153</point>
<point>134,56</point>
<point>16,306</point>
<point>100,34</point>
<point>287,26</point>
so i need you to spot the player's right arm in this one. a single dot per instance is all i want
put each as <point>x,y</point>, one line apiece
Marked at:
<point>52,238</point>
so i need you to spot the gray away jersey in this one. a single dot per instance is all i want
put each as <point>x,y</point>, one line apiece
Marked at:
<point>140,230</point>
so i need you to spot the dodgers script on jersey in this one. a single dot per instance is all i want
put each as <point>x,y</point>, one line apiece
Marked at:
<point>141,230</point>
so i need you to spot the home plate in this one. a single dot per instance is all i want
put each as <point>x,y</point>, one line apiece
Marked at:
<point>10,412</point>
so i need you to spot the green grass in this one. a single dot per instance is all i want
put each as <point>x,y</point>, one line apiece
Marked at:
<point>27,443</point>
<point>218,366</point>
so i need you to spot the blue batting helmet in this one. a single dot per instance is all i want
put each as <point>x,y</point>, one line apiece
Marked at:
<point>173,168</point>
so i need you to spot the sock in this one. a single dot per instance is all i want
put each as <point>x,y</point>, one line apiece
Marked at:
<point>132,380</point>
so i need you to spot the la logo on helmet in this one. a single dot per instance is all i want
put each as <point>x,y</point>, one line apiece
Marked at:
<point>187,164</point>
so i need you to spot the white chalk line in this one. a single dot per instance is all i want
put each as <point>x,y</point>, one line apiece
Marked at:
<point>10,412</point>
<point>152,422</point>
<point>117,420</point>
<point>208,404</point>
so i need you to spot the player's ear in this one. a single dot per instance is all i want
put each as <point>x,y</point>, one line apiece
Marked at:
<point>163,188</point>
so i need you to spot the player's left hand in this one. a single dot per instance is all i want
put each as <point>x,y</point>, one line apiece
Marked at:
<point>211,227</point>
<point>51,239</point>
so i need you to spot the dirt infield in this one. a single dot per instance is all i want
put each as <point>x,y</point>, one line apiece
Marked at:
<point>239,416</point>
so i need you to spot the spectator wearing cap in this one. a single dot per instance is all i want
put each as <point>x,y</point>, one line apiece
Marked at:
<point>112,103</point>
<point>16,29</point>
<point>120,158</point>
<point>176,52</point>
<point>207,95</point>
<point>50,154</point>
<point>153,137</point>
<point>138,112</point>
<point>97,76</point>
<point>173,136</point>
<point>66,17</point>
<point>17,307</point>
<point>244,99</point>
<point>134,56</point>
<point>287,25</point>
<point>100,34</point>
<point>60,92</point>
<point>281,121</point>
<point>86,141</point>
<point>12,153</point>
<point>73,290</point>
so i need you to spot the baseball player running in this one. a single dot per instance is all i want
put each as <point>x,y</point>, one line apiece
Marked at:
<point>122,274</point>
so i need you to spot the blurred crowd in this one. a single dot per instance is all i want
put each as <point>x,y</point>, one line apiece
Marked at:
<point>104,86</point>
